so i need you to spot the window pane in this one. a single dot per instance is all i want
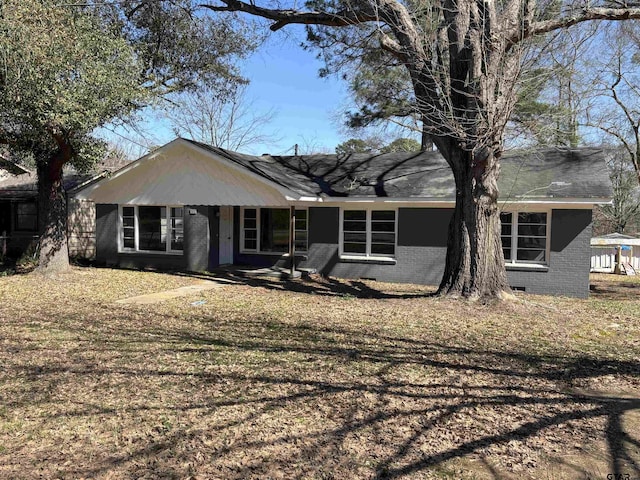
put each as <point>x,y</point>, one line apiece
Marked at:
<point>355,237</point>
<point>251,234</point>
<point>531,255</point>
<point>506,241</point>
<point>152,228</point>
<point>355,215</point>
<point>355,226</point>
<point>301,215</point>
<point>250,213</point>
<point>355,248</point>
<point>274,229</point>
<point>506,217</point>
<point>383,237</point>
<point>507,253</point>
<point>27,217</point>
<point>383,215</point>
<point>250,223</point>
<point>532,230</point>
<point>301,224</point>
<point>177,241</point>
<point>177,228</point>
<point>506,229</point>
<point>531,242</point>
<point>382,249</point>
<point>250,244</point>
<point>383,226</point>
<point>532,218</point>
<point>128,211</point>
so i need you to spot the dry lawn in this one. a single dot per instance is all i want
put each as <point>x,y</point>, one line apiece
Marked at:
<point>314,379</point>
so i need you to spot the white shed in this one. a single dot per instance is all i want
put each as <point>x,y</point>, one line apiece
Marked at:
<point>605,250</point>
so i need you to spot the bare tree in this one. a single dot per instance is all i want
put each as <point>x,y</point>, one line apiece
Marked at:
<point>615,108</point>
<point>464,59</point>
<point>227,121</point>
<point>625,209</point>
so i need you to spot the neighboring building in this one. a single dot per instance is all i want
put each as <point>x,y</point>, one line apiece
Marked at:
<point>19,211</point>
<point>615,250</point>
<point>190,206</point>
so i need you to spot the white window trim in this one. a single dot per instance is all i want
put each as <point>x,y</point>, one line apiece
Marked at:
<point>257,250</point>
<point>514,262</point>
<point>168,251</point>
<point>368,256</point>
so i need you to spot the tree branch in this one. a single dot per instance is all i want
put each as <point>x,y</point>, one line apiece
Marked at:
<point>528,30</point>
<point>282,18</point>
<point>392,46</point>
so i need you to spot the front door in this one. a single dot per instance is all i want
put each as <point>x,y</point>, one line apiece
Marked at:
<point>226,235</point>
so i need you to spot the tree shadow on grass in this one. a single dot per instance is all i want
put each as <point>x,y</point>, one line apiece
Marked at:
<point>309,284</point>
<point>376,404</point>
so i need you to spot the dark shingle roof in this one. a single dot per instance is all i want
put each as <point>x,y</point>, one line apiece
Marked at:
<point>24,184</point>
<point>534,174</point>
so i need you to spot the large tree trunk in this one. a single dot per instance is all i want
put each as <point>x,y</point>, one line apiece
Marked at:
<point>52,211</point>
<point>475,265</point>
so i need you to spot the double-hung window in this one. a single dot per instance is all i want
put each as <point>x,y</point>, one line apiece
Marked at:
<point>151,229</point>
<point>26,217</point>
<point>266,230</point>
<point>525,237</point>
<point>368,233</point>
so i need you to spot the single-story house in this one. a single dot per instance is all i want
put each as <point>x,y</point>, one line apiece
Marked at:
<point>19,211</point>
<point>191,206</point>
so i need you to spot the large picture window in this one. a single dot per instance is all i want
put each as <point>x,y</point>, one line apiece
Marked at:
<point>524,237</point>
<point>152,228</point>
<point>370,233</point>
<point>266,230</point>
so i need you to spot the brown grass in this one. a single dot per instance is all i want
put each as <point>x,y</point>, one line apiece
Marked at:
<point>314,379</point>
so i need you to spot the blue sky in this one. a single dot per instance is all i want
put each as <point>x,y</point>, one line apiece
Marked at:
<point>284,79</point>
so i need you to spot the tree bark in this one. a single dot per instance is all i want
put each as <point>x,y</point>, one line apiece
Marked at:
<point>475,267</point>
<point>52,217</point>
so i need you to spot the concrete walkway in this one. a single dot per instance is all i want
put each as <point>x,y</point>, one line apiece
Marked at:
<point>177,292</point>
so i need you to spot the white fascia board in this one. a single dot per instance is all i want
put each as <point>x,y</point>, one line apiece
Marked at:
<point>573,203</point>
<point>565,203</point>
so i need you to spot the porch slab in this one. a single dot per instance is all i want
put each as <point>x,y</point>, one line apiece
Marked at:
<point>271,272</point>
<point>175,293</point>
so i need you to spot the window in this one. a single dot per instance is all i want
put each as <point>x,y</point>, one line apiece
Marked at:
<point>370,233</point>
<point>274,230</point>
<point>524,237</point>
<point>151,228</point>
<point>26,217</point>
<point>301,230</point>
<point>177,228</point>
<point>250,229</point>
<point>266,230</point>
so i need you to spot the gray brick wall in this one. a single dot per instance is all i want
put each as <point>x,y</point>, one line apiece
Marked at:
<point>107,246</point>
<point>422,245</point>
<point>420,254</point>
<point>196,238</point>
<point>422,242</point>
<point>569,261</point>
